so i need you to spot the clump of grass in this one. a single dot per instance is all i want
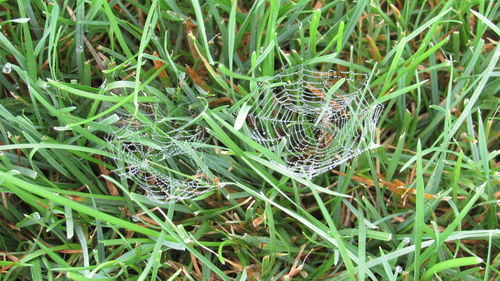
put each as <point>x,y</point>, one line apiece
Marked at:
<point>423,205</point>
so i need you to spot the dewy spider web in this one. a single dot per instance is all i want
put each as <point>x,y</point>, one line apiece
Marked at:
<point>146,144</point>
<point>314,120</point>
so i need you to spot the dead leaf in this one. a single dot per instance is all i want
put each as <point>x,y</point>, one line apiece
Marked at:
<point>197,78</point>
<point>158,64</point>
<point>111,187</point>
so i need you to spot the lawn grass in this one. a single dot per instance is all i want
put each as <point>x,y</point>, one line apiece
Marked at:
<point>420,206</point>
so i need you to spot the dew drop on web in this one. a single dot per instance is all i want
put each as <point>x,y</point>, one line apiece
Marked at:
<point>7,68</point>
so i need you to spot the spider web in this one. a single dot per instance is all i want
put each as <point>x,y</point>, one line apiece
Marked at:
<point>148,147</point>
<point>314,120</point>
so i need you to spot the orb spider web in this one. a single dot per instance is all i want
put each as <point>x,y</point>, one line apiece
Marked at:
<point>148,147</point>
<point>314,120</point>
